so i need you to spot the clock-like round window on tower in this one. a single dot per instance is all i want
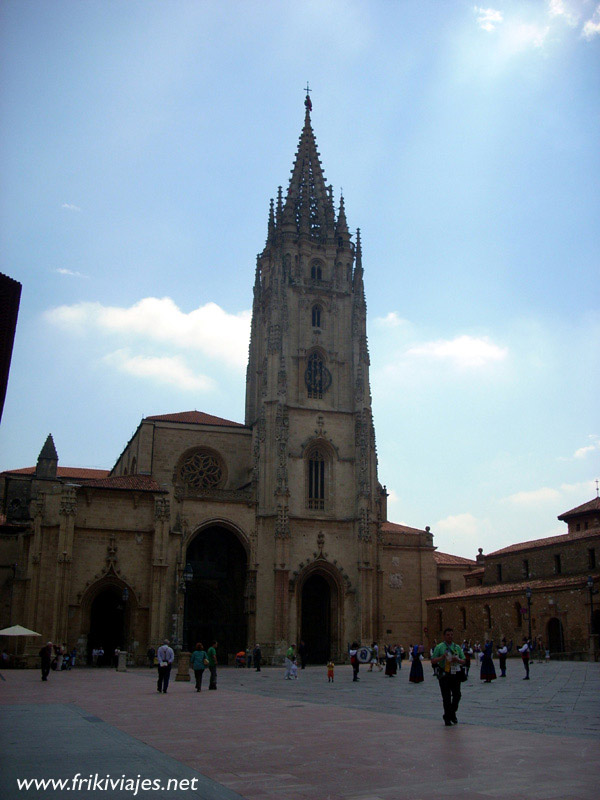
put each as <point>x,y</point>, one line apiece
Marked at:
<point>201,470</point>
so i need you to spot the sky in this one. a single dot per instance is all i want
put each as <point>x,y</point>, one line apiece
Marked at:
<point>141,143</point>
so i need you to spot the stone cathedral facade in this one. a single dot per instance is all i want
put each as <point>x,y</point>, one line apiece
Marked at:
<point>270,531</point>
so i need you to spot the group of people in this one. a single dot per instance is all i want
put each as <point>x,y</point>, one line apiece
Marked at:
<point>200,660</point>
<point>56,657</point>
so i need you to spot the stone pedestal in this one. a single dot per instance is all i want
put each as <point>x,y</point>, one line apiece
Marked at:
<point>183,667</point>
<point>122,662</point>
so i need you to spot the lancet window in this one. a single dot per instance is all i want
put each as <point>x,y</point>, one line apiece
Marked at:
<point>317,467</point>
<point>316,316</point>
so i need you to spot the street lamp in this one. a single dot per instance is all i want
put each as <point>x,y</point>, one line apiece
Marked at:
<point>187,577</point>
<point>125,598</point>
<point>528,596</point>
<point>592,591</point>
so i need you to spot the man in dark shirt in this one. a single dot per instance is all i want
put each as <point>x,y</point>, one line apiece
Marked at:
<point>46,656</point>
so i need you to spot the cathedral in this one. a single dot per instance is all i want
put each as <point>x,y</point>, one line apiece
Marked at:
<point>270,531</point>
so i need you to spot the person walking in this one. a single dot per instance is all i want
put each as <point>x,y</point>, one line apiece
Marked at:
<point>150,655</point>
<point>353,652</point>
<point>416,668</point>
<point>524,650</point>
<point>488,670</point>
<point>257,657</point>
<point>199,662</point>
<point>398,652</point>
<point>375,657</point>
<point>166,657</point>
<point>502,654</point>
<point>390,662</point>
<point>46,656</point>
<point>290,657</point>
<point>330,669</point>
<point>449,657</point>
<point>212,665</point>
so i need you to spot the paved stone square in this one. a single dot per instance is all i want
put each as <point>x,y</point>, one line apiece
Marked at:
<point>260,737</point>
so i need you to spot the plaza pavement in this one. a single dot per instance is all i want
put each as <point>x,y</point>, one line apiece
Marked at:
<point>260,737</point>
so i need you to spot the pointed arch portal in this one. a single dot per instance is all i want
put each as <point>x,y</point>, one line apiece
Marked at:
<point>319,627</point>
<point>214,606</point>
<point>107,622</point>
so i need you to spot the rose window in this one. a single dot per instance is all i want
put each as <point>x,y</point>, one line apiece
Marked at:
<point>201,470</point>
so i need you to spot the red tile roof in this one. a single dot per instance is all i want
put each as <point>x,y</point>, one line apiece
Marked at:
<point>541,584</point>
<point>564,538</point>
<point>76,473</point>
<point>393,527</point>
<point>139,483</point>
<point>592,505</point>
<point>196,418</point>
<point>450,560</point>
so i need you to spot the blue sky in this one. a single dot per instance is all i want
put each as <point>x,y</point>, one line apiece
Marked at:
<point>141,143</point>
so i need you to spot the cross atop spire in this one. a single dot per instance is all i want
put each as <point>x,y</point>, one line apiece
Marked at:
<point>307,101</point>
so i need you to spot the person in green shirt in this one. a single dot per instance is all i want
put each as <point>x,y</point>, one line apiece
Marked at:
<point>290,657</point>
<point>197,660</point>
<point>449,658</point>
<point>212,664</point>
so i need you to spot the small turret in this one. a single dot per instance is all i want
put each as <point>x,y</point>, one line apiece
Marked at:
<point>342,234</point>
<point>47,463</point>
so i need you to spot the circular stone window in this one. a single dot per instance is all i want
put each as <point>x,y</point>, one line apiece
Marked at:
<point>201,470</point>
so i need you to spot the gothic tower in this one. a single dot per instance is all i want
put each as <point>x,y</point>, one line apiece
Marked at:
<point>319,504</point>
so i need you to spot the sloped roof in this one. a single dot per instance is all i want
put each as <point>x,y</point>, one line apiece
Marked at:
<point>564,538</point>
<point>394,527</point>
<point>139,483</point>
<point>447,559</point>
<point>542,584</point>
<point>195,418</point>
<point>592,505</point>
<point>75,473</point>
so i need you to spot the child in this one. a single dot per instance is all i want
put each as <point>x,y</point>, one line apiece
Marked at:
<point>330,668</point>
<point>294,670</point>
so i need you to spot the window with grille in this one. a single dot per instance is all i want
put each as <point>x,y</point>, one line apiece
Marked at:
<point>317,377</point>
<point>316,480</point>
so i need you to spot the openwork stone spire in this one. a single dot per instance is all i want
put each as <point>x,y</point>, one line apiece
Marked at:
<point>308,208</point>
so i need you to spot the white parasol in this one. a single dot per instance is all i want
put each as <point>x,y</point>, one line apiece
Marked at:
<point>18,630</point>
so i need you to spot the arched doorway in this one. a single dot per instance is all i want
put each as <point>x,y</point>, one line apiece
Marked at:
<point>107,623</point>
<point>317,617</point>
<point>556,641</point>
<point>214,607</point>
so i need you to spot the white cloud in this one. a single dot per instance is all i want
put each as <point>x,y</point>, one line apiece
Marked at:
<point>584,451</point>
<point>170,370</point>
<point>564,10</point>
<point>70,273</point>
<point>70,207</point>
<point>536,497</point>
<point>208,329</point>
<point>463,351</point>
<point>592,26</point>
<point>547,497</point>
<point>462,534</point>
<point>391,320</point>
<point>488,18</point>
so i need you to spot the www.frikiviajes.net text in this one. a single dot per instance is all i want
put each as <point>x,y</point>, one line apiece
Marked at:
<point>106,783</point>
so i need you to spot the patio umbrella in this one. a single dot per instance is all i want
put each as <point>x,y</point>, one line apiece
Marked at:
<point>18,630</point>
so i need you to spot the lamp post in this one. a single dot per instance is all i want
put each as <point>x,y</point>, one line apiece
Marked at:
<point>183,668</point>
<point>123,654</point>
<point>592,591</point>
<point>186,578</point>
<point>528,596</point>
